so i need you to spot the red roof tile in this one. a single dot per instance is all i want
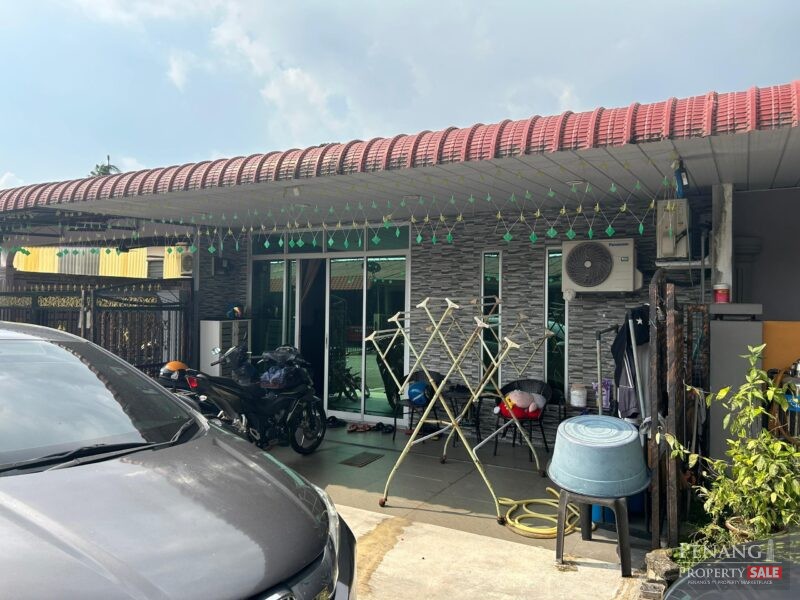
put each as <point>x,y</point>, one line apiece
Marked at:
<point>699,116</point>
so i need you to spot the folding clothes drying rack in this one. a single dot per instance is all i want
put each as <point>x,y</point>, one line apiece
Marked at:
<point>445,333</point>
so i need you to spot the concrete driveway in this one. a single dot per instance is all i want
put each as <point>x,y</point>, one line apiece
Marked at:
<point>438,536</point>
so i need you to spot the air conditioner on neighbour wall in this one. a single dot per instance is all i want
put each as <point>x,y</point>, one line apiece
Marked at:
<point>600,266</point>
<point>187,264</point>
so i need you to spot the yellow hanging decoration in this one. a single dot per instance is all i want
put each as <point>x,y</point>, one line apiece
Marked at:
<point>579,210</point>
<point>597,207</point>
<point>563,211</point>
<point>499,216</point>
<point>460,217</point>
<point>624,207</point>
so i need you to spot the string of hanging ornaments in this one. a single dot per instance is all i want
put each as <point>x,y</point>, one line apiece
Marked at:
<point>582,211</point>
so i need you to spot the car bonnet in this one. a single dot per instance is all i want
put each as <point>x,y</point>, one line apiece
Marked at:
<point>213,517</point>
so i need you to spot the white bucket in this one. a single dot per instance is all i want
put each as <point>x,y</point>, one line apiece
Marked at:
<point>577,395</point>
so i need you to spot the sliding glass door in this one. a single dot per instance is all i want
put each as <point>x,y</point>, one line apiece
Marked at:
<point>363,293</point>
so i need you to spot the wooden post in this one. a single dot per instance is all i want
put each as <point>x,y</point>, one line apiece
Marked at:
<point>674,335</point>
<point>654,396</point>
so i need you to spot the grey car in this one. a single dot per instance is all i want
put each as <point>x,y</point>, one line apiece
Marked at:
<point>111,488</point>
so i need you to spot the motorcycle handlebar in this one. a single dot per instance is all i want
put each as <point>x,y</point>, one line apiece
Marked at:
<point>215,363</point>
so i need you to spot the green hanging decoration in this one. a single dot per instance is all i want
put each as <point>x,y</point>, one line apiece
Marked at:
<point>533,237</point>
<point>374,205</point>
<point>179,250</point>
<point>550,193</point>
<point>387,224</point>
<point>513,198</point>
<point>452,200</point>
<point>508,237</point>
<point>449,237</point>
<point>330,210</point>
<point>610,231</point>
<point>551,233</point>
<point>471,199</point>
<point>280,242</point>
<point>291,242</point>
<point>638,185</point>
<point>574,188</point>
<point>118,251</point>
<point>590,233</point>
<point>212,249</point>
<point>571,233</point>
<point>403,202</point>
<point>236,246</point>
<point>266,244</point>
<point>359,240</point>
<point>418,239</point>
<point>665,181</point>
<point>613,188</point>
<point>528,195</point>
<point>376,240</point>
<point>641,228</point>
<point>300,242</point>
<point>192,248</point>
<point>488,197</point>
<point>330,241</point>
<point>169,250</point>
<point>397,232</point>
<point>434,239</point>
<point>235,216</point>
<point>314,241</point>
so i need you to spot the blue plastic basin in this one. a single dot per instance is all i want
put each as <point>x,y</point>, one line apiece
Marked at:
<point>598,456</point>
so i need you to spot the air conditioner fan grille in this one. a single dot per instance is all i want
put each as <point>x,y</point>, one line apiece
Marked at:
<point>589,264</point>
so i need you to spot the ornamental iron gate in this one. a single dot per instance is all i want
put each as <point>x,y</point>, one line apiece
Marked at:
<point>145,324</point>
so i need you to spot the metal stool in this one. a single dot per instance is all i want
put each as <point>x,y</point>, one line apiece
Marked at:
<point>620,508</point>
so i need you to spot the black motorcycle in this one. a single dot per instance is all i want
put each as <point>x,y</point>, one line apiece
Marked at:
<point>273,401</point>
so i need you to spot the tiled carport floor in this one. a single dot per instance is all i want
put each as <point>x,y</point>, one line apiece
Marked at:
<point>451,496</point>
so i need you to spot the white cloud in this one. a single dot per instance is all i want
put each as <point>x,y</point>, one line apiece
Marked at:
<point>133,12</point>
<point>9,180</point>
<point>180,63</point>
<point>128,163</point>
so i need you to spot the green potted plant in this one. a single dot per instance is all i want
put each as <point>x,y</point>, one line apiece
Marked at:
<point>755,492</point>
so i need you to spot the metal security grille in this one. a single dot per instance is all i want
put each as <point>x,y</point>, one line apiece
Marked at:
<point>145,324</point>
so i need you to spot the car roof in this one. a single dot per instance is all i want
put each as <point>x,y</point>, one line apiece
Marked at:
<point>26,331</point>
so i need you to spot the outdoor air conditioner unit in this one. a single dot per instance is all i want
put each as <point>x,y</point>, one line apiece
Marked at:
<point>600,266</point>
<point>187,264</point>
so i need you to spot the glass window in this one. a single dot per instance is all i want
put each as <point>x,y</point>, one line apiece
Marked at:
<point>491,290</point>
<point>555,323</point>
<point>304,242</point>
<point>345,334</point>
<point>386,296</point>
<point>268,243</point>
<point>393,237</point>
<point>268,309</point>
<point>345,240</point>
<point>88,397</point>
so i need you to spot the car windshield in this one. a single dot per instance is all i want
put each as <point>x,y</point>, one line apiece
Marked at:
<point>59,396</point>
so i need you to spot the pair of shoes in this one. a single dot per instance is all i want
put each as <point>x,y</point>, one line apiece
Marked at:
<point>335,422</point>
<point>358,427</point>
<point>384,428</point>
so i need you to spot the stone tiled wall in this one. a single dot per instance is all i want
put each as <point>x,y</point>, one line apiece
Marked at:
<point>220,290</point>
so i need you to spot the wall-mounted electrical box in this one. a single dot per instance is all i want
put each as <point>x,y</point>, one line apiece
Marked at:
<point>672,228</point>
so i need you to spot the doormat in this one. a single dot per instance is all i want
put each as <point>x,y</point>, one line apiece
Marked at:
<point>361,459</point>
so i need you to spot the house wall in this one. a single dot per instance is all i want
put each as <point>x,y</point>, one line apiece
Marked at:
<point>768,277</point>
<point>219,289</point>
<point>454,271</point>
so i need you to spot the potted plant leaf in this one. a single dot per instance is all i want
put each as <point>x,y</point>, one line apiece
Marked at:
<point>755,492</point>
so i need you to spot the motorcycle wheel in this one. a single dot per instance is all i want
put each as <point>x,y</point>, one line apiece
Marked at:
<point>307,428</point>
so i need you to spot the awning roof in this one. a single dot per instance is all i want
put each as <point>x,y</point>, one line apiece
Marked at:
<point>638,125</point>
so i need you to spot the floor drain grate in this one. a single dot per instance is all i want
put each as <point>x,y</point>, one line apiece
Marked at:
<point>361,459</point>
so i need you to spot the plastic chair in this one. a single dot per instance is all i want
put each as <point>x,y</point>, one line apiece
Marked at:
<point>531,386</point>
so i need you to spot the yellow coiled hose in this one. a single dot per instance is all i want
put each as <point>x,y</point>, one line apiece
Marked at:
<point>516,524</point>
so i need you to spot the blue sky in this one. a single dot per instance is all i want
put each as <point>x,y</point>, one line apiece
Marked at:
<point>162,82</point>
